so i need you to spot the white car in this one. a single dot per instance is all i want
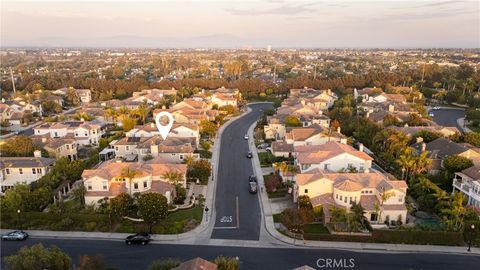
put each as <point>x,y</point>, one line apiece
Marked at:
<point>246,137</point>
<point>436,108</point>
<point>431,114</point>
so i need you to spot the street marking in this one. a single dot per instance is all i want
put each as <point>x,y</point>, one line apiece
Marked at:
<point>238,213</point>
<point>216,228</point>
<point>226,219</point>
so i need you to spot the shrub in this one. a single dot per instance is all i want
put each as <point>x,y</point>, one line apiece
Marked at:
<point>164,264</point>
<point>90,226</point>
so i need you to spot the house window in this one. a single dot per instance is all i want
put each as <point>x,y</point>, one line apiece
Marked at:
<point>127,148</point>
<point>349,165</point>
<point>336,196</point>
<point>144,184</point>
<point>20,171</point>
<point>39,170</point>
<point>7,171</point>
<point>306,191</point>
<point>181,156</point>
<point>104,185</point>
<point>400,199</point>
<point>135,186</point>
<point>76,134</point>
<point>325,166</point>
<point>340,197</point>
<point>68,147</point>
<point>345,200</point>
<point>56,134</point>
<point>89,186</point>
<point>116,148</point>
<point>34,171</point>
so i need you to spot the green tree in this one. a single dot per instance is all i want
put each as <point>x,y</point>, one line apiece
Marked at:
<point>200,169</point>
<point>472,138</point>
<point>142,111</point>
<point>121,205</point>
<point>208,128</point>
<point>292,121</point>
<point>152,207</point>
<point>72,98</point>
<point>457,163</point>
<point>38,257</point>
<point>18,146</point>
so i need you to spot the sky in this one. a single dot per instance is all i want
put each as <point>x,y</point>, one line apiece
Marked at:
<point>240,24</point>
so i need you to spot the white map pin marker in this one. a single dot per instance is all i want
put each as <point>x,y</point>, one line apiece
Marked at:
<point>164,130</point>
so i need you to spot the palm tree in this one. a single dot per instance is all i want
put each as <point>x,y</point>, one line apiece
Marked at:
<point>406,162</point>
<point>129,174</point>
<point>280,167</point>
<point>422,163</point>
<point>188,160</point>
<point>142,111</point>
<point>173,177</point>
<point>111,113</point>
<point>123,111</point>
<point>458,210</point>
<point>384,196</point>
<point>79,194</point>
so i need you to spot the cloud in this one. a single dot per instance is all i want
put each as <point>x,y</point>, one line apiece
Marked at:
<point>434,4</point>
<point>285,9</point>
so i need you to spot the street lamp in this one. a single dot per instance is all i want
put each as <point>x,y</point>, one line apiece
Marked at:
<point>472,227</point>
<point>19,223</point>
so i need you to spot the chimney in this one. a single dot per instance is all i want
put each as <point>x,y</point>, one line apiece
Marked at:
<point>367,170</point>
<point>419,139</point>
<point>164,107</point>
<point>339,129</point>
<point>368,114</point>
<point>391,108</point>
<point>37,153</point>
<point>360,147</point>
<point>343,141</point>
<point>44,139</point>
<point>152,125</point>
<point>424,146</point>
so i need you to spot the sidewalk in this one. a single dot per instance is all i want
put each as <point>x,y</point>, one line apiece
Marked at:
<point>269,227</point>
<point>461,123</point>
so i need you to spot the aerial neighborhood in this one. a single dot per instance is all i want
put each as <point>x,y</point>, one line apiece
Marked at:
<point>301,152</point>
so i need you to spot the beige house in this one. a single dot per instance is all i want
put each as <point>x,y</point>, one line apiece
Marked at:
<point>381,198</point>
<point>332,156</point>
<point>57,147</point>
<point>108,180</point>
<point>84,132</point>
<point>313,135</point>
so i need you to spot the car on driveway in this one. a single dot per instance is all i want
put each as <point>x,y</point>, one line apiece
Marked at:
<point>246,137</point>
<point>139,238</point>
<point>15,236</point>
<point>249,155</point>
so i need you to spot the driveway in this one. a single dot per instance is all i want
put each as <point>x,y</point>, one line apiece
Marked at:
<point>448,117</point>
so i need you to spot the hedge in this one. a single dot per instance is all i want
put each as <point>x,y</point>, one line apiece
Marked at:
<point>337,237</point>
<point>419,237</point>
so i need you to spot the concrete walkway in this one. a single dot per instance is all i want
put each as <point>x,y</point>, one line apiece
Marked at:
<point>461,123</point>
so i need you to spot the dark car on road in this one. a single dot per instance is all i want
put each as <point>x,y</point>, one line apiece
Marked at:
<point>252,184</point>
<point>139,238</point>
<point>249,155</point>
<point>15,236</point>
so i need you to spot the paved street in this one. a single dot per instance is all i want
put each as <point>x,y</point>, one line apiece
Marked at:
<point>237,211</point>
<point>121,256</point>
<point>448,117</point>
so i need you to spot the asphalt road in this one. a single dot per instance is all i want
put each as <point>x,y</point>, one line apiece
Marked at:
<point>448,117</point>
<point>117,254</point>
<point>237,211</point>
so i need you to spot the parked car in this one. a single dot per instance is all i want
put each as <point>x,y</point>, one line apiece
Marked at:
<point>252,187</point>
<point>252,178</point>
<point>431,114</point>
<point>139,238</point>
<point>246,137</point>
<point>249,155</point>
<point>15,236</point>
<point>436,108</point>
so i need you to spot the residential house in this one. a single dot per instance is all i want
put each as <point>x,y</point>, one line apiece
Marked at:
<point>331,156</point>
<point>23,170</point>
<point>442,148</point>
<point>468,183</point>
<point>108,180</point>
<point>57,147</point>
<point>381,198</point>
<point>312,135</point>
<point>178,130</point>
<point>84,132</point>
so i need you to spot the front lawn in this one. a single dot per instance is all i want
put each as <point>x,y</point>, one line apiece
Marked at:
<point>266,159</point>
<point>316,228</point>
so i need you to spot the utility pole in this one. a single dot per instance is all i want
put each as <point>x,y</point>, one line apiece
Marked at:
<point>315,72</point>
<point>13,81</point>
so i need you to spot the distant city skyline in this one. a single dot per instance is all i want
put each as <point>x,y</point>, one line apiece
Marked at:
<point>240,24</point>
